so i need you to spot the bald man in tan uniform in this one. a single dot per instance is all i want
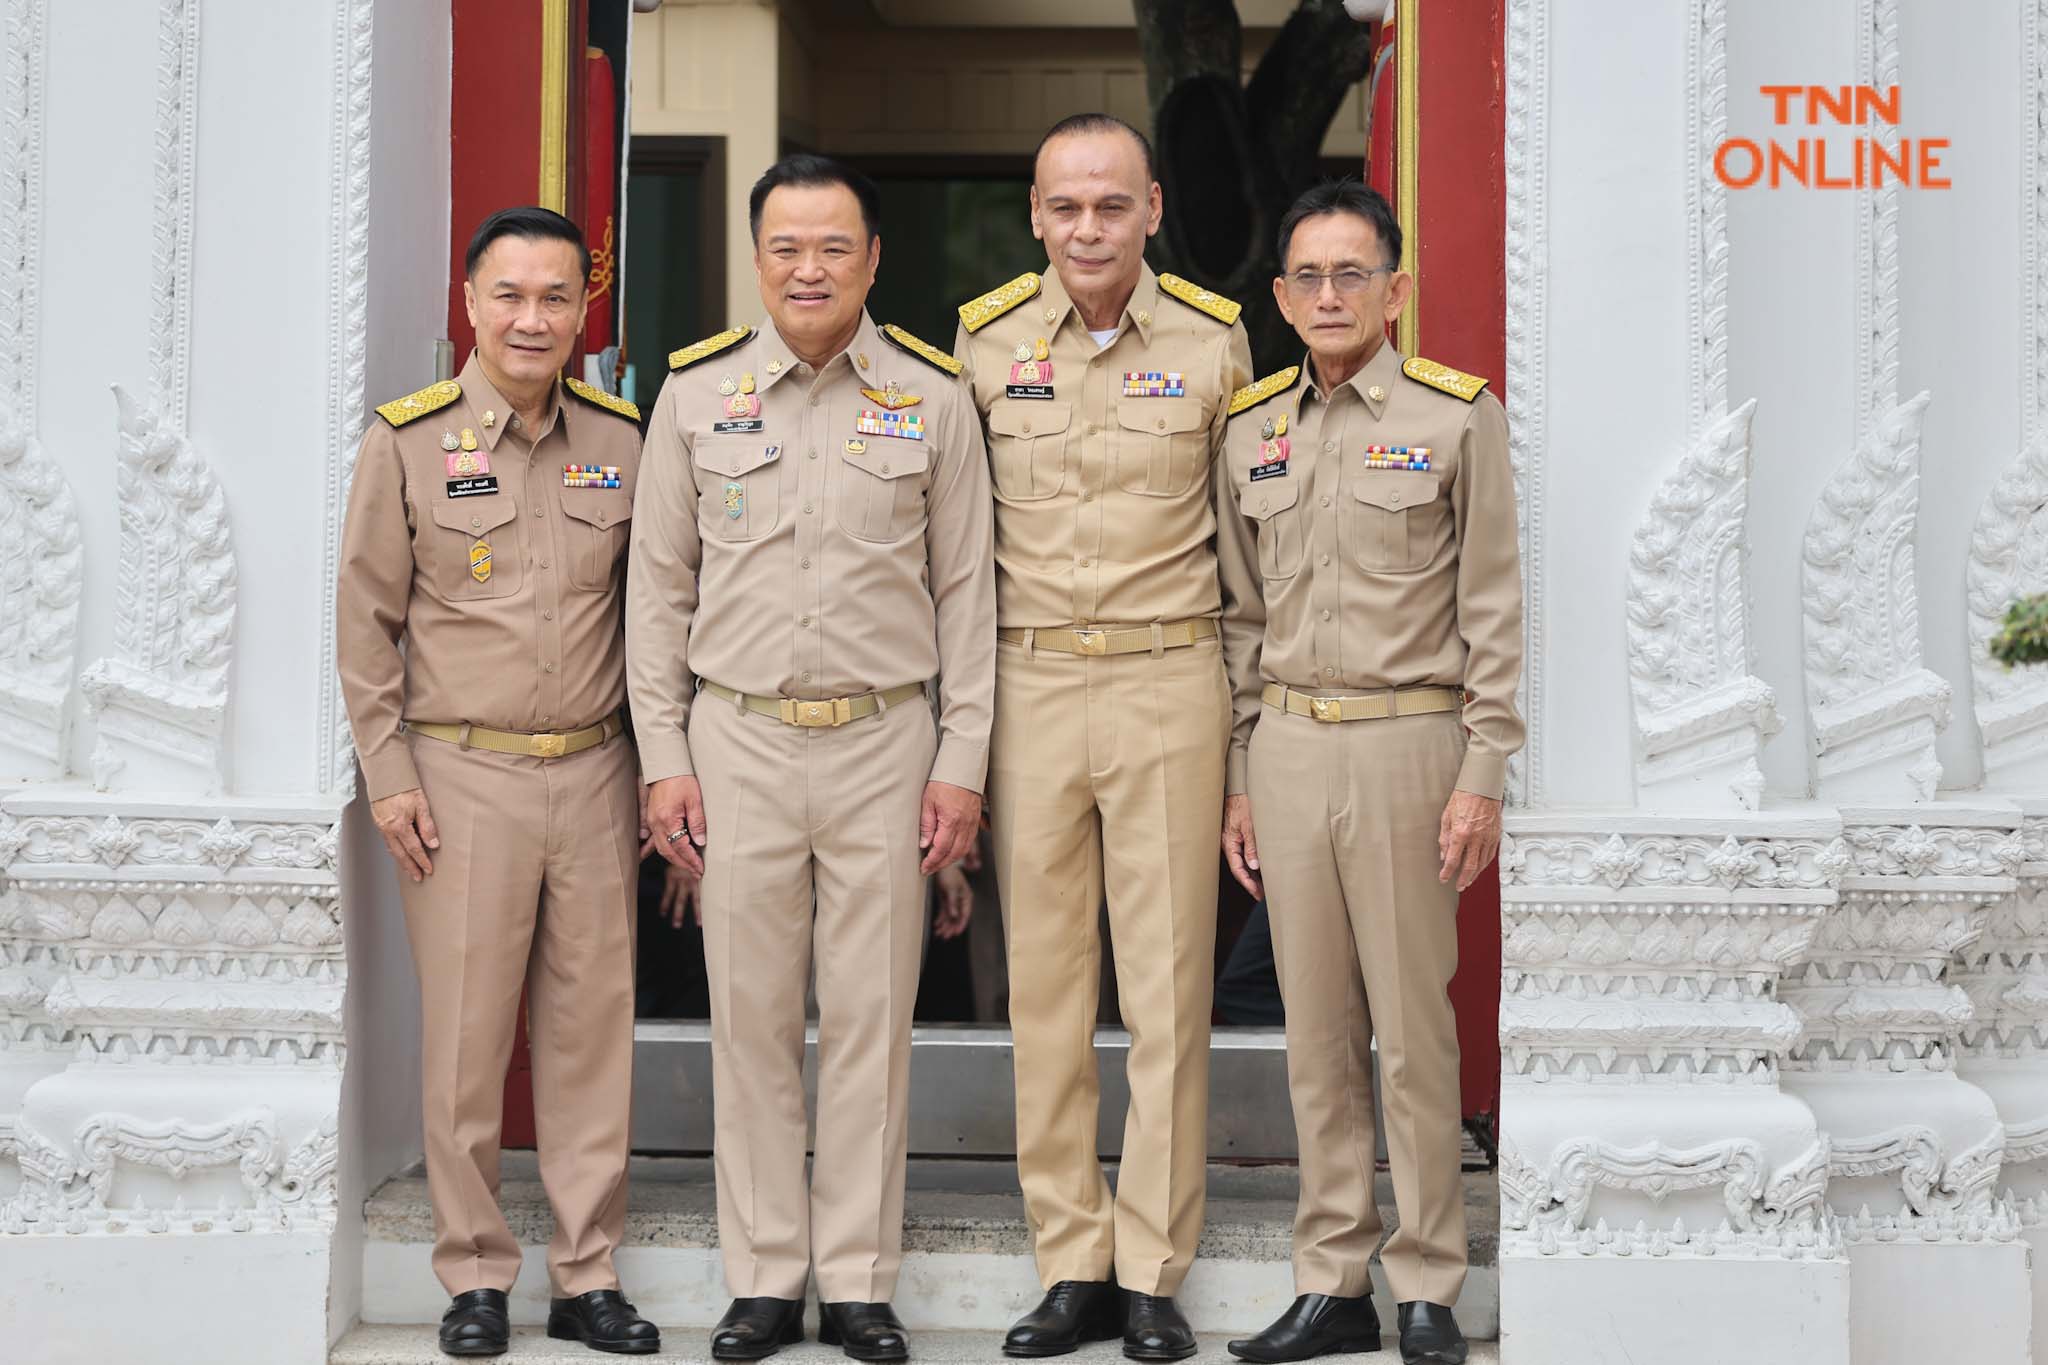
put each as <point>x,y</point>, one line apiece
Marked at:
<point>482,655</point>
<point>1372,623</point>
<point>1105,408</point>
<point>812,553</point>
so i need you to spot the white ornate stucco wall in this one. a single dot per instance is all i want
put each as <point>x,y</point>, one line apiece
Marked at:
<point>211,239</point>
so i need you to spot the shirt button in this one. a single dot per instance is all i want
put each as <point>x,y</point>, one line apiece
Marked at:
<point>1394,499</point>
<point>546,720</point>
<point>1162,424</point>
<point>807,509</point>
<point>540,511</point>
<point>806,677</point>
<point>885,466</point>
<point>1326,502</point>
<point>805,562</point>
<point>1087,495</point>
<point>476,521</point>
<point>550,667</point>
<point>1329,672</point>
<point>547,614</point>
<point>804,621</point>
<point>1025,428</point>
<point>1326,616</point>
<point>543,563</point>
<point>1094,429</point>
<point>1326,559</point>
<point>814,454</point>
<point>1084,563</point>
<point>814,400</point>
<point>1329,445</point>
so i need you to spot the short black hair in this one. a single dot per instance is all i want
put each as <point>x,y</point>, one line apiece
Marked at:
<point>530,222</point>
<point>1095,123</point>
<point>804,170</point>
<point>1344,196</point>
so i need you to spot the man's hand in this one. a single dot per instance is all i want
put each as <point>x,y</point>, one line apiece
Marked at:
<point>947,824</point>
<point>677,803</point>
<point>1468,837</point>
<point>1241,845</point>
<point>679,895</point>
<point>408,830</point>
<point>956,903</point>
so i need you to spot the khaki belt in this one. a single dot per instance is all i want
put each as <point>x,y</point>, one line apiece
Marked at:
<point>811,714</point>
<point>1136,640</point>
<point>1405,701</point>
<point>518,742</point>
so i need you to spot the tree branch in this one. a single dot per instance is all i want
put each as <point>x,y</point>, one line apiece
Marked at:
<point>1318,55</point>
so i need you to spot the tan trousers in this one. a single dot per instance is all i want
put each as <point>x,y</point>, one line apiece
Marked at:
<point>1106,778</point>
<point>533,885</point>
<point>798,817</point>
<point>1366,939</point>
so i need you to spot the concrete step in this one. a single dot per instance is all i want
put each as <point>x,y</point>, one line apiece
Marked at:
<point>967,1253</point>
<point>688,1346</point>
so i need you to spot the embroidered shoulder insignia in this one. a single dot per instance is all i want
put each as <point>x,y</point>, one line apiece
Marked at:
<point>708,347</point>
<point>597,397</point>
<point>1456,383</point>
<point>432,398</point>
<point>929,354</point>
<point>1258,391</point>
<point>1194,296</point>
<point>980,312</point>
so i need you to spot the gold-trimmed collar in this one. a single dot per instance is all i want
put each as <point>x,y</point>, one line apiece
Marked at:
<point>978,313</point>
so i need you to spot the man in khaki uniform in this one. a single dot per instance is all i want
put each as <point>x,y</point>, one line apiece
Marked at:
<point>1103,387</point>
<point>1372,622</point>
<point>497,771</point>
<point>812,552</point>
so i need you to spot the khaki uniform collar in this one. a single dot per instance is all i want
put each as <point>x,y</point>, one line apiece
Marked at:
<point>1140,312</point>
<point>1378,375</point>
<point>490,415</point>
<point>777,360</point>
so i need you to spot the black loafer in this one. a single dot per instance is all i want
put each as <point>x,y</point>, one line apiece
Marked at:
<point>476,1324</point>
<point>1154,1328</point>
<point>1429,1334</point>
<point>866,1331</point>
<point>756,1328</point>
<point>1317,1325</point>
<point>1072,1311</point>
<point>603,1321</point>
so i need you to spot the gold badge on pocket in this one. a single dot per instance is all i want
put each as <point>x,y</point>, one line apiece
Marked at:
<point>480,561</point>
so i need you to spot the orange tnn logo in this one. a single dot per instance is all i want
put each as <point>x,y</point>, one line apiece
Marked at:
<point>1866,161</point>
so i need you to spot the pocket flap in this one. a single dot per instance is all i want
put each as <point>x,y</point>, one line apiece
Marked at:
<point>1268,497</point>
<point>601,507</point>
<point>888,457</point>
<point>1029,417</point>
<point>731,456</point>
<point>474,516</point>
<point>1396,490</point>
<point>1160,416</point>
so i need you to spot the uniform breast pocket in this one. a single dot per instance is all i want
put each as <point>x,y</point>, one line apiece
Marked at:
<point>1397,520</point>
<point>1270,503</point>
<point>882,489</point>
<point>1162,445</point>
<point>597,520</point>
<point>473,547</point>
<point>740,499</point>
<point>1027,441</point>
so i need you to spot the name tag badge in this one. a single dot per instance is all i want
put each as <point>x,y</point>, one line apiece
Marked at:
<point>737,425</point>
<point>1027,391</point>
<point>1276,470</point>
<point>470,488</point>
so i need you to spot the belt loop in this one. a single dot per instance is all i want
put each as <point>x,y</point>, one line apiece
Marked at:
<point>462,737</point>
<point>1393,703</point>
<point>739,702</point>
<point>881,702</point>
<point>1030,635</point>
<point>1158,641</point>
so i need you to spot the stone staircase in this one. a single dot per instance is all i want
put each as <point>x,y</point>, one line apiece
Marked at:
<point>967,1267</point>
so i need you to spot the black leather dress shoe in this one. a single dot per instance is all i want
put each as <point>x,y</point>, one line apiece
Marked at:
<point>1072,1311</point>
<point>1429,1334</point>
<point>755,1328</point>
<point>866,1331</point>
<point>476,1324</point>
<point>1154,1328</point>
<point>1317,1325</point>
<point>603,1321</point>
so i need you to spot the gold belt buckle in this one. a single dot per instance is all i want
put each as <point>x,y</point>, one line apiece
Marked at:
<point>547,746</point>
<point>811,714</point>
<point>1092,641</point>
<point>1327,709</point>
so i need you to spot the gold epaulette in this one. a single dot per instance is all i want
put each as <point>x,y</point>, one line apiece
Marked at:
<point>1259,390</point>
<point>1456,383</point>
<point>432,398</point>
<point>1194,296</point>
<point>979,313</point>
<point>929,354</point>
<point>708,347</point>
<point>597,397</point>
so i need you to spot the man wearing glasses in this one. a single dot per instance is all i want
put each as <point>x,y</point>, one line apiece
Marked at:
<point>1372,630</point>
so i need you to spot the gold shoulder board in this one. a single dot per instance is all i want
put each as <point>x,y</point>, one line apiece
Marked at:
<point>708,347</point>
<point>930,355</point>
<point>1456,383</point>
<point>1258,391</point>
<point>980,312</point>
<point>432,398</point>
<point>1194,296</point>
<point>597,397</point>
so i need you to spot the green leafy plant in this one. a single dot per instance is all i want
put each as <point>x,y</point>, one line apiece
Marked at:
<point>2023,636</point>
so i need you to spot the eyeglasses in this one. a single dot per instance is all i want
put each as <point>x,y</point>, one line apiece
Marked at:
<point>1308,283</point>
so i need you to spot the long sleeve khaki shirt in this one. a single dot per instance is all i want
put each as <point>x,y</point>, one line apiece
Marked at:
<point>1104,514</point>
<point>1341,576</point>
<point>501,585</point>
<point>789,552</point>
